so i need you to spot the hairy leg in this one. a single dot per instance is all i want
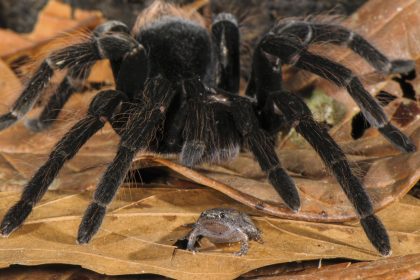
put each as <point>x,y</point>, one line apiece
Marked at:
<point>291,51</point>
<point>304,33</point>
<point>110,40</point>
<point>297,112</point>
<point>71,84</point>
<point>262,146</point>
<point>139,132</point>
<point>100,110</point>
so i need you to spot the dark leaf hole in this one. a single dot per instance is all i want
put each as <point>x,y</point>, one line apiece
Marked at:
<point>17,63</point>
<point>406,87</point>
<point>415,191</point>
<point>148,175</point>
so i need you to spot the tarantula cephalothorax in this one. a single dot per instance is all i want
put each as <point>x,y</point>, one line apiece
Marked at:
<point>177,92</point>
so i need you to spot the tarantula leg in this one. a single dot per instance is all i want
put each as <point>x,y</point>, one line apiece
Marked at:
<point>368,105</point>
<point>127,81</point>
<point>303,33</point>
<point>140,131</point>
<point>226,39</point>
<point>71,84</point>
<point>101,109</point>
<point>29,95</point>
<point>341,76</point>
<point>297,112</point>
<point>262,147</point>
<point>108,41</point>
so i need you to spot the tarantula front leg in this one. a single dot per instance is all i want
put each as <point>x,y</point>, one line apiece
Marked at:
<point>226,40</point>
<point>139,132</point>
<point>262,146</point>
<point>297,113</point>
<point>100,110</point>
<point>110,40</point>
<point>282,43</point>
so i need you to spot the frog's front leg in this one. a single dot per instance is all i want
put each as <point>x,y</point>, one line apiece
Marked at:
<point>244,244</point>
<point>192,239</point>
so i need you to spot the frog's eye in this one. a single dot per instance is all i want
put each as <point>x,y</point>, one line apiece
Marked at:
<point>222,215</point>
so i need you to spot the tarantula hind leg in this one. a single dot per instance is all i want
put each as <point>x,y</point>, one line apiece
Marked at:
<point>110,40</point>
<point>298,113</point>
<point>100,110</point>
<point>289,42</point>
<point>313,32</point>
<point>71,84</point>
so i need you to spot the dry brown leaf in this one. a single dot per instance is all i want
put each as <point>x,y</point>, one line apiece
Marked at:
<point>142,224</point>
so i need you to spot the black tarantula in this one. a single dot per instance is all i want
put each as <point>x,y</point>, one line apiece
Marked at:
<point>177,91</point>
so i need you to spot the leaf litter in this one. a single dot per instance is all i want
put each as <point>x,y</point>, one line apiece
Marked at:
<point>146,220</point>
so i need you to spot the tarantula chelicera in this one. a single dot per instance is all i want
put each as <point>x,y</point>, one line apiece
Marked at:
<point>177,91</point>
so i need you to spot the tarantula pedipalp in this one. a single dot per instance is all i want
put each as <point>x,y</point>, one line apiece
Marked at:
<point>177,92</point>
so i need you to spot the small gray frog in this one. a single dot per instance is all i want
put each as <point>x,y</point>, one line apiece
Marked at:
<point>222,225</point>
